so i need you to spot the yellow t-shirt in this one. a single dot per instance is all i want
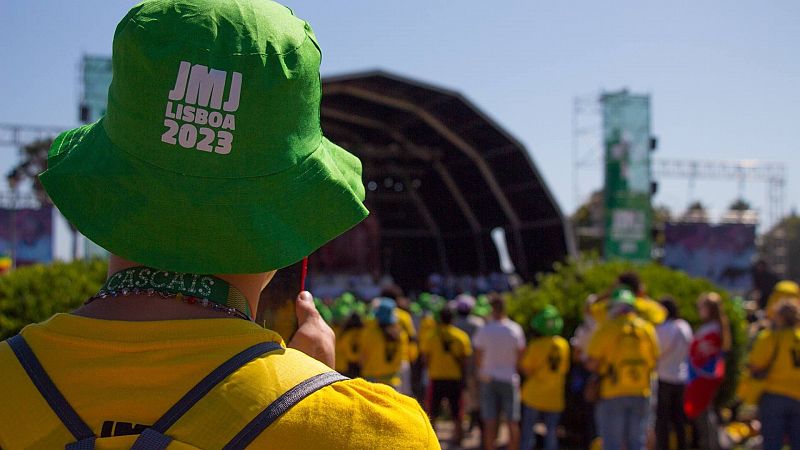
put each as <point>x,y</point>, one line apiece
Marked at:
<point>406,322</point>
<point>381,359</point>
<point>426,324</point>
<point>627,349</point>
<point>647,308</point>
<point>121,374</point>
<point>546,363</point>
<point>347,348</point>
<point>445,347</point>
<point>784,375</point>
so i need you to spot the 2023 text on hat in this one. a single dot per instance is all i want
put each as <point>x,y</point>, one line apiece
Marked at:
<point>197,85</point>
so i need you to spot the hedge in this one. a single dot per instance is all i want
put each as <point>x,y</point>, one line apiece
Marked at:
<point>34,293</point>
<point>571,282</point>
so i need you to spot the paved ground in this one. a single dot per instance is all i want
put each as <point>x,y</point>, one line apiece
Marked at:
<point>444,429</point>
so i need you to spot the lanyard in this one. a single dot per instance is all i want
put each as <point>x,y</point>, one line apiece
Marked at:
<point>197,288</point>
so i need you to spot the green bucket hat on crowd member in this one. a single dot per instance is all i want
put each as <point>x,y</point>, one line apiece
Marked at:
<point>210,158</point>
<point>548,322</point>
<point>622,296</point>
<point>360,308</point>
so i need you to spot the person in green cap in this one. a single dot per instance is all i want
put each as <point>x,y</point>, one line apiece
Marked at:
<point>545,364</point>
<point>623,352</point>
<point>208,173</point>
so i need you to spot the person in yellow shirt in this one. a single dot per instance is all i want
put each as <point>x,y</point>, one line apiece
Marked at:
<point>785,290</point>
<point>199,206</point>
<point>647,308</point>
<point>623,352</point>
<point>347,346</point>
<point>545,364</point>
<point>445,349</point>
<point>775,358</point>
<point>427,323</point>
<point>383,344</point>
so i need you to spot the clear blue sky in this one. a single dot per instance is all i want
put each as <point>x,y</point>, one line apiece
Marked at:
<point>724,76</point>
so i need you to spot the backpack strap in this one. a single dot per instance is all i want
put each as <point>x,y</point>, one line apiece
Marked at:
<point>154,438</point>
<point>72,421</point>
<point>280,406</point>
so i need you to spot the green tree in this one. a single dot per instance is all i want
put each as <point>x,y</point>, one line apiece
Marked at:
<point>740,204</point>
<point>32,162</point>
<point>587,222</point>
<point>784,237</point>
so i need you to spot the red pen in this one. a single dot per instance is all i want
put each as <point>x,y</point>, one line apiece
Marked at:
<point>303,273</point>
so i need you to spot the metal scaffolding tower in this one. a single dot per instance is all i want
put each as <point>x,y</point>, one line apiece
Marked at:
<point>587,139</point>
<point>16,135</point>
<point>587,153</point>
<point>771,173</point>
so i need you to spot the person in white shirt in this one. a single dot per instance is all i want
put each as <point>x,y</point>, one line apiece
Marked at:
<point>674,336</point>
<point>498,346</point>
<point>470,324</point>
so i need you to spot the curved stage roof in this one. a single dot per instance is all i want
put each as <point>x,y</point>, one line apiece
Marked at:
<point>441,175</point>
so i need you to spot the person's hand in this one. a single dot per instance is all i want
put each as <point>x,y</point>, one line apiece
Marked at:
<point>313,337</point>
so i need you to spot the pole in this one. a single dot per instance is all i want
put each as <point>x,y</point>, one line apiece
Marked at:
<point>13,216</point>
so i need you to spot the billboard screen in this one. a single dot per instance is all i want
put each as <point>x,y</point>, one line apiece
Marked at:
<point>626,134</point>
<point>27,234</point>
<point>96,79</point>
<point>723,253</point>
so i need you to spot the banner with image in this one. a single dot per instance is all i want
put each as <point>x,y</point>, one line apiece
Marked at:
<point>626,134</point>
<point>722,253</point>
<point>27,234</point>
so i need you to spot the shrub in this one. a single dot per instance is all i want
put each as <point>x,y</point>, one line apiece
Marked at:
<point>571,282</point>
<point>34,293</point>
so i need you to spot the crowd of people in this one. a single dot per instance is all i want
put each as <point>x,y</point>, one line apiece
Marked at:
<point>167,354</point>
<point>633,375</point>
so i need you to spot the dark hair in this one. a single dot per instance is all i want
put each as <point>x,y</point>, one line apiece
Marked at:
<point>632,280</point>
<point>672,308</point>
<point>446,316</point>
<point>354,321</point>
<point>391,332</point>
<point>497,302</point>
<point>392,291</point>
<point>789,312</point>
<point>713,301</point>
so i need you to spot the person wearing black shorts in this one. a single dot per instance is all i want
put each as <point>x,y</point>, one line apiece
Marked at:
<point>445,349</point>
<point>449,390</point>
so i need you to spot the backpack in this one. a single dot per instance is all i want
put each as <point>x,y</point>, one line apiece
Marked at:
<point>628,366</point>
<point>157,437</point>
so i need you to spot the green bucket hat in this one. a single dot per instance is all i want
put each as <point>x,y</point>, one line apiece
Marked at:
<point>622,296</point>
<point>548,322</point>
<point>210,158</point>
